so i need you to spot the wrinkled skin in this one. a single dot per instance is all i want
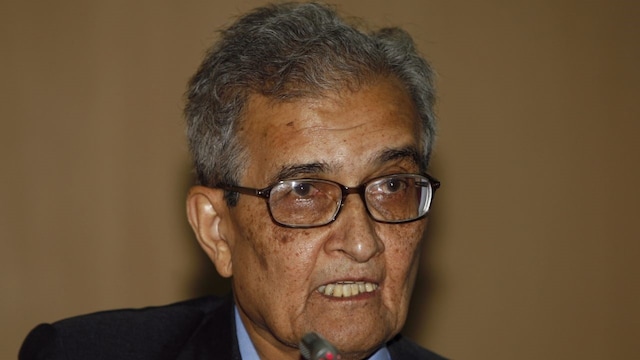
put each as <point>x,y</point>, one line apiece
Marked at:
<point>345,137</point>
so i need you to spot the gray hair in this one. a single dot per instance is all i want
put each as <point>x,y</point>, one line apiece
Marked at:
<point>289,51</point>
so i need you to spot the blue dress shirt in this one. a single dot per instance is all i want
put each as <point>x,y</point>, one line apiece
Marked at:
<point>248,351</point>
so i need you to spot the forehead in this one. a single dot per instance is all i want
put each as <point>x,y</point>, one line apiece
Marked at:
<point>353,131</point>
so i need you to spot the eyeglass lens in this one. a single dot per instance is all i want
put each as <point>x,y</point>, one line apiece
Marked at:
<point>396,198</point>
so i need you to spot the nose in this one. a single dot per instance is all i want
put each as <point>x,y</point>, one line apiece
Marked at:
<point>354,232</point>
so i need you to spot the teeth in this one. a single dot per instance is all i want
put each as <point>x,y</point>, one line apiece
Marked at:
<point>337,291</point>
<point>347,289</point>
<point>329,289</point>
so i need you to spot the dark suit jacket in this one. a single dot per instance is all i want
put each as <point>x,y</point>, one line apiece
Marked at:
<point>196,329</point>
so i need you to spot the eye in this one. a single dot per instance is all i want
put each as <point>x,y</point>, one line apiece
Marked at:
<point>302,189</point>
<point>393,185</point>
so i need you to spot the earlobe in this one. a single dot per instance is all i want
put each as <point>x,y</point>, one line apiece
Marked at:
<point>208,215</point>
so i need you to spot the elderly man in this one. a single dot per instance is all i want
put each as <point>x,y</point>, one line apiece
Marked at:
<point>311,141</point>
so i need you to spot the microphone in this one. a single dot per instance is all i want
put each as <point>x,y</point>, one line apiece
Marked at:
<point>315,347</point>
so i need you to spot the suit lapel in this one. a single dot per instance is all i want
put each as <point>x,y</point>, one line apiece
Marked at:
<point>215,338</point>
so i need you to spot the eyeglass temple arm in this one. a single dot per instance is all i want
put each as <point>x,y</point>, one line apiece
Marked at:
<point>264,193</point>
<point>435,183</point>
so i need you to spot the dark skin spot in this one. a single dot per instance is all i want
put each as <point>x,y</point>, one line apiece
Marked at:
<point>290,123</point>
<point>285,238</point>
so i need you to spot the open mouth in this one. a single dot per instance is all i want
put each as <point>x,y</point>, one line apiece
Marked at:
<point>347,288</point>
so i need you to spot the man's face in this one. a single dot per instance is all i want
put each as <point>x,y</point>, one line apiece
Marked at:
<point>347,137</point>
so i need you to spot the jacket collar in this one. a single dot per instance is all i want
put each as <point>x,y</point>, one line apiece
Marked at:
<point>215,338</point>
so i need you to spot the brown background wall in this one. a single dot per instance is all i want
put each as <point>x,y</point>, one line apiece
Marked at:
<point>534,240</point>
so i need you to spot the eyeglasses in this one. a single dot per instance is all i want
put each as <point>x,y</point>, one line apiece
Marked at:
<point>306,203</point>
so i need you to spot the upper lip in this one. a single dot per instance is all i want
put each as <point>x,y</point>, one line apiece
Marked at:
<point>350,280</point>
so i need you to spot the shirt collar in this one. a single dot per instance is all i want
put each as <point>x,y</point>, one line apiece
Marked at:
<point>248,351</point>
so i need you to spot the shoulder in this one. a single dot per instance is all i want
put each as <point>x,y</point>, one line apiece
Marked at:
<point>405,349</point>
<point>152,332</point>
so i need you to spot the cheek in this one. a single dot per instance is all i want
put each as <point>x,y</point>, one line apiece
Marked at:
<point>274,268</point>
<point>403,252</point>
<point>247,249</point>
<point>280,252</point>
<point>292,254</point>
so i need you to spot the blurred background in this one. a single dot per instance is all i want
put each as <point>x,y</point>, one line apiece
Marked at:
<point>534,240</point>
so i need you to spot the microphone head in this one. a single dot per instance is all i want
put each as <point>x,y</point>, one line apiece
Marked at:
<point>315,347</point>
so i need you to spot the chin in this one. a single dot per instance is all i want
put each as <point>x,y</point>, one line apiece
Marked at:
<point>357,343</point>
<point>356,353</point>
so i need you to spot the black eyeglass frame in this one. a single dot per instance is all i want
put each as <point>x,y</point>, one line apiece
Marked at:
<point>346,191</point>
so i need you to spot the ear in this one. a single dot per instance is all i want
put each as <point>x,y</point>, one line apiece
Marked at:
<point>207,212</point>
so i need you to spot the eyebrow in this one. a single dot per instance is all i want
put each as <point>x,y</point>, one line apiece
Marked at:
<point>380,158</point>
<point>404,153</point>
<point>295,170</point>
